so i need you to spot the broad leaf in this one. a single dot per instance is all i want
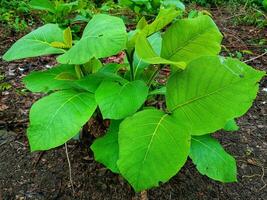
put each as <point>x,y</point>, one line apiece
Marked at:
<point>211,159</point>
<point>145,51</point>
<point>92,81</point>
<point>36,43</point>
<point>57,118</point>
<point>118,101</point>
<point>165,17</point>
<point>48,80</point>
<point>139,64</point>
<point>153,148</point>
<point>231,126</point>
<point>188,39</point>
<point>43,5</point>
<point>103,36</point>
<point>106,148</point>
<point>211,91</point>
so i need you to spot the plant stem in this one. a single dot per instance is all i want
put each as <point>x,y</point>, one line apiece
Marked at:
<point>79,71</point>
<point>130,60</point>
<point>150,81</point>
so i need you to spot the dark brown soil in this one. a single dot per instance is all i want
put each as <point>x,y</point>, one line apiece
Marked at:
<point>25,175</point>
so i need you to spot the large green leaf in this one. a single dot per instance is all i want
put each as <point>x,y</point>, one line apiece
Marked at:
<point>117,101</point>
<point>145,51</point>
<point>103,36</point>
<point>165,17</point>
<point>58,117</point>
<point>211,159</point>
<point>46,81</point>
<point>139,64</point>
<point>36,43</point>
<point>43,5</point>
<point>92,81</point>
<point>188,39</point>
<point>153,148</point>
<point>211,91</point>
<point>106,148</point>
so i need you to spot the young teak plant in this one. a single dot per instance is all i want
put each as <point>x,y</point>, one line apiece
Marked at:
<point>204,93</point>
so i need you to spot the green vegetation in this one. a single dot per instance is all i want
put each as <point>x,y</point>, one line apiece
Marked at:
<point>146,145</point>
<point>13,14</point>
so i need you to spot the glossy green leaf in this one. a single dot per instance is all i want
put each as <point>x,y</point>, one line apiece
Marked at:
<point>106,148</point>
<point>231,126</point>
<point>57,118</point>
<point>139,64</point>
<point>211,91</point>
<point>103,36</point>
<point>165,17</point>
<point>188,39</point>
<point>117,101</point>
<point>211,159</point>
<point>145,51</point>
<point>46,81</point>
<point>153,148</point>
<point>36,43</point>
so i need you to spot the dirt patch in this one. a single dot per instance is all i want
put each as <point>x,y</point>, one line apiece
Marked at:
<point>25,175</point>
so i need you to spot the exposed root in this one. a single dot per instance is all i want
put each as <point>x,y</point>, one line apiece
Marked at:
<point>262,179</point>
<point>70,171</point>
<point>255,58</point>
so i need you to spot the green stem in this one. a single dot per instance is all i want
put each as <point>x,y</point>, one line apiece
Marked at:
<point>150,81</point>
<point>130,60</point>
<point>79,71</point>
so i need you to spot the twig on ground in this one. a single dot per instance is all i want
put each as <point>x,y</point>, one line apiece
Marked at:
<point>3,143</point>
<point>262,176</point>
<point>35,163</point>
<point>255,58</point>
<point>18,142</point>
<point>234,16</point>
<point>250,176</point>
<point>70,172</point>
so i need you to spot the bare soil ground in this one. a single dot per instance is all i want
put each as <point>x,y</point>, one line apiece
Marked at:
<point>45,175</point>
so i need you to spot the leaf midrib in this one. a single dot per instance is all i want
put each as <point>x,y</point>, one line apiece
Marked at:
<point>67,101</point>
<point>185,44</point>
<point>149,145</point>
<point>213,150</point>
<point>203,96</point>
